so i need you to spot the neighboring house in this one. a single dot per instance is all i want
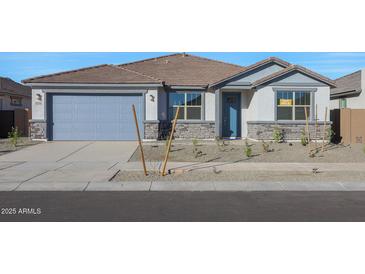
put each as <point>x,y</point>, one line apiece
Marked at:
<point>349,91</point>
<point>217,99</point>
<point>15,105</point>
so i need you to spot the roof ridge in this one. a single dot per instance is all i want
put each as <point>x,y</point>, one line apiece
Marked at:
<point>137,72</point>
<point>149,59</point>
<point>212,60</point>
<point>63,72</point>
<point>348,74</point>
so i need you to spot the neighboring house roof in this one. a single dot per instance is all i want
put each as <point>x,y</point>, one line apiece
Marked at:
<point>348,84</point>
<point>185,69</point>
<point>102,74</point>
<point>13,88</point>
<point>293,68</point>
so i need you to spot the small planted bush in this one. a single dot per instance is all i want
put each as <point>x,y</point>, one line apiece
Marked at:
<point>247,149</point>
<point>330,134</point>
<point>220,143</point>
<point>265,147</point>
<point>278,135</point>
<point>14,136</point>
<point>303,138</point>
<point>197,152</point>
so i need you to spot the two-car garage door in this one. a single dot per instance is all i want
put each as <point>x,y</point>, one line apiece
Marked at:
<point>94,116</point>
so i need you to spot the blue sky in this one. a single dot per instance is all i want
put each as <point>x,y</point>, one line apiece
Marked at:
<point>19,66</point>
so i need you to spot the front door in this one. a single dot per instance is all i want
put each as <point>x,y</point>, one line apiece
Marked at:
<point>231,111</point>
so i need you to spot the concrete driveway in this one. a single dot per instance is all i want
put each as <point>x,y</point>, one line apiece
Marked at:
<point>63,165</point>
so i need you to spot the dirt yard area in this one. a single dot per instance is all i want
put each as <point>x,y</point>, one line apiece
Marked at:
<point>233,151</point>
<point>261,176</point>
<point>7,147</point>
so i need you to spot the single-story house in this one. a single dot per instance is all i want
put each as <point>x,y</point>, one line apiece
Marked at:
<point>216,99</point>
<point>15,105</point>
<point>349,91</point>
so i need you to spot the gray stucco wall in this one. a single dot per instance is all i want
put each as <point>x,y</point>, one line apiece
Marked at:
<point>257,74</point>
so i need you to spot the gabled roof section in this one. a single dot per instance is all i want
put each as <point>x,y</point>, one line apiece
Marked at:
<point>293,68</point>
<point>9,86</point>
<point>253,67</point>
<point>102,74</point>
<point>184,69</point>
<point>350,83</point>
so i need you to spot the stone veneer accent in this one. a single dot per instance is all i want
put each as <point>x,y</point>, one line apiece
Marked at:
<point>151,129</point>
<point>184,130</point>
<point>38,129</point>
<point>292,130</point>
<point>199,130</point>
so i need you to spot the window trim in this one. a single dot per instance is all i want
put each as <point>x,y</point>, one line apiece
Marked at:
<point>202,105</point>
<point>293,90</point>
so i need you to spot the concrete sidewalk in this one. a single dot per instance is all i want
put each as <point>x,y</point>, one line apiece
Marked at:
<point>183,186</point>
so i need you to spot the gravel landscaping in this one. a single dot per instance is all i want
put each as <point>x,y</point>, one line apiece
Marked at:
<point>233,151</point>
<point>7,147</point>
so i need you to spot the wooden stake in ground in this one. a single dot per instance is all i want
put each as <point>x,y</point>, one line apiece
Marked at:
<point>315,128</point>
<point>324,128</point>
<point>139,140</point>
<point>307,129</point>
<point>163,173</point>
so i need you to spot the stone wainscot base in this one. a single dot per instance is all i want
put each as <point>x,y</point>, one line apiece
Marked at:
<point>184,130</point>
<point>291,130</point>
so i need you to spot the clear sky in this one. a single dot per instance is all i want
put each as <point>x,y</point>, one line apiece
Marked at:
<point>19,66</point>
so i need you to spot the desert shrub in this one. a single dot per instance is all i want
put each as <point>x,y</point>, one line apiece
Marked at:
<point>303,138</point>
<point>277,135</point>
<point>220,143</point>
<point>247,149</point>
<point>265,147</point>
<point>14,136</point>
<point>196,152</point>
<point>330,133</point>
<point>195,142</point>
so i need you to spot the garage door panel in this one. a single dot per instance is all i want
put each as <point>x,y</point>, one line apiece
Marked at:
<point>96,117</point>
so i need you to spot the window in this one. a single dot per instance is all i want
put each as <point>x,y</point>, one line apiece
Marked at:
<point>190,105</point>
<point>343,103</point>
<point>291,105</point>
<point>15,101</point>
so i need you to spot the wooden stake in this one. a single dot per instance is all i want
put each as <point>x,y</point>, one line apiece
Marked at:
<point>324,128</point>
<point>139,140</point>
<point>315,128</point>
<point>163,173</point>
<point>307,129</point>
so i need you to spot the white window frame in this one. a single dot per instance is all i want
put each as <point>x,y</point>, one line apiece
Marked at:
<point>185,106</point>
<point>293,106</point>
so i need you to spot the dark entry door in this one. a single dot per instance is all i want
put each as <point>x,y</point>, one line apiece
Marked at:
<point>6,122</point>
<point>231,110</point>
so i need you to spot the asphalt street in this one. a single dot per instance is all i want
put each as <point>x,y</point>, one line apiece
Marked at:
<point>183,206</point>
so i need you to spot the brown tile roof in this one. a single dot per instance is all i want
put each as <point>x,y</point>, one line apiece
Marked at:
<point>348,83</point>
<point>102,74</point>
<point>292,68</point>
<point>185,69</point>
<point>9,86</point>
